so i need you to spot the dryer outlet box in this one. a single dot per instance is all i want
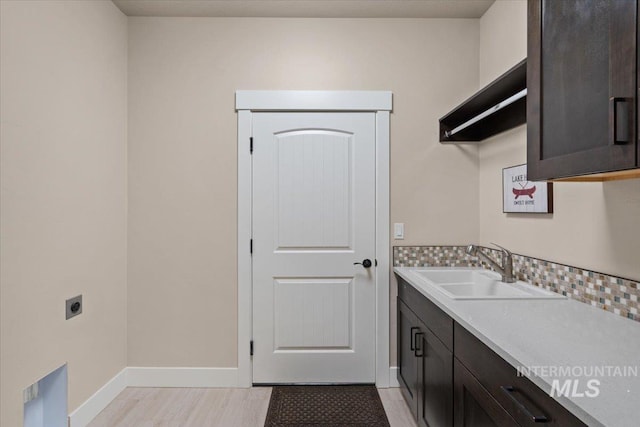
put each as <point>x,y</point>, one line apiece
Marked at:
<point>73,306</point>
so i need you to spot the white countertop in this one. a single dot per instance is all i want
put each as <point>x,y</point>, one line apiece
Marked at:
<point>555,333</point>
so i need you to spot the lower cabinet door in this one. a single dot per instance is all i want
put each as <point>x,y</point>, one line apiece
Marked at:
<point>407,361</point>
<point>474,406</point>
<point>435,380</point>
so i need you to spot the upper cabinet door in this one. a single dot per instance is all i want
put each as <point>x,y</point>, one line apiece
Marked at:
<point>581,80</point>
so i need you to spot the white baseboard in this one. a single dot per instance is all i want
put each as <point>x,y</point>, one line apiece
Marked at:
<point>393,376</point>
<point>99,400</point>
<point>151,377</point>
<point>182,377</point>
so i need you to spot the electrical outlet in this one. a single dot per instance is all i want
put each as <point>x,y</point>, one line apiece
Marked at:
<point>73,306</point>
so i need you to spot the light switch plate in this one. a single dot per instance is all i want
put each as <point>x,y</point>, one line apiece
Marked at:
<point>398,230</point>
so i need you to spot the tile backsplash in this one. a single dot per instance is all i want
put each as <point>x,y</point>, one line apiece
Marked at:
<point>615,294</point>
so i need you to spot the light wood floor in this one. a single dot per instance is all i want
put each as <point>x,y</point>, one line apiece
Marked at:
<point>209,407</point>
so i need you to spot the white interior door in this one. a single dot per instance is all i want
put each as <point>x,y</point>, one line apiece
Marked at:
<point>313,218</point>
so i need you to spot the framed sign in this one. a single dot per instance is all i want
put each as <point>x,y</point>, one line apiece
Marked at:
<point>519,195</point>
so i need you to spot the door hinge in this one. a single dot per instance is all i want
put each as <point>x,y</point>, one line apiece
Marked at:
<point>251,348</point>
<point>251,145</point>
<point>251,246</point>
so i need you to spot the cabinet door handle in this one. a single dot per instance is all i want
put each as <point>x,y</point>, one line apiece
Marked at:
<point>418,348</point>
<point>508,390</point>
<point>413,338</point>
<point>619,120</point>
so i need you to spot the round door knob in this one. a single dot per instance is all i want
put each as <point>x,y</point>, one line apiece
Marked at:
<point>365,263</point>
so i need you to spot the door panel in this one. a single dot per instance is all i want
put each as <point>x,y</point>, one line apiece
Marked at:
<point>313,217</point>
<point>320,306</point>
<point>313,192</point>
<point>568,71</point>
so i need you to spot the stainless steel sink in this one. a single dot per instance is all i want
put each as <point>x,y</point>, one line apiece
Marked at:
<point>481,284</point>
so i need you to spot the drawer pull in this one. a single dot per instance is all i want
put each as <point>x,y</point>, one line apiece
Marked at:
<point>508,390</point>
<point>413,338</point>
<point>418,348</point>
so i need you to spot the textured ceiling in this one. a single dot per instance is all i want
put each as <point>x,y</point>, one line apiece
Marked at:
<point>307,8</point>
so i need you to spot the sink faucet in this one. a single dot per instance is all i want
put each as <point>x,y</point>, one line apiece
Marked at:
<point>506,269</point>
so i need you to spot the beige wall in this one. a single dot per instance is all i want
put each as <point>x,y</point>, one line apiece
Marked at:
<point>595,225</point>
<point>182,153</point>
<point>63,202</point>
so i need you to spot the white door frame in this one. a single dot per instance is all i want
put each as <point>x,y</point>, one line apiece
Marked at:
<point>248,102</point>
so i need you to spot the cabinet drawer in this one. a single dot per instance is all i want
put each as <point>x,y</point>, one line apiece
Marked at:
<point>518,395</point>
<point>435,319</point>
<point>473,405</point>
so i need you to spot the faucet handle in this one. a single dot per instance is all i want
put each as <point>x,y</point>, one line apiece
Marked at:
<point>505,251</point>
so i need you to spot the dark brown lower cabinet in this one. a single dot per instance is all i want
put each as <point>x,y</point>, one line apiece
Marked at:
<point>425,371</point>
<point>407,360</point>
<point>473,405</point>
<point>435,380</point>
<point>450,378</point>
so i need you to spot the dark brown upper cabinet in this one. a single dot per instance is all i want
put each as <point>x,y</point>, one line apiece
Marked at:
<point>582,89</point>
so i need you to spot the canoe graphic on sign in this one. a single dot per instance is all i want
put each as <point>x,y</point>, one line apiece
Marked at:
<point>524,192</point>
<point>523,196</point>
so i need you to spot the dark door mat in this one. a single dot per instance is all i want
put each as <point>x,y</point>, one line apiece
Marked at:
<point>326,405</point>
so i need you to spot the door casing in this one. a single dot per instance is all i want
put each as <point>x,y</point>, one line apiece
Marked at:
<point>248,102</point>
